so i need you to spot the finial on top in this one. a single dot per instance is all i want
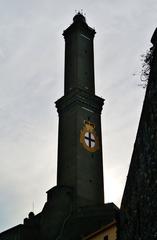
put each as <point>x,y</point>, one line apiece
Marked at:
<point>79,16</point>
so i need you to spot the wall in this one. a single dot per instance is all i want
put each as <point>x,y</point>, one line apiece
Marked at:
<point>138,219</point>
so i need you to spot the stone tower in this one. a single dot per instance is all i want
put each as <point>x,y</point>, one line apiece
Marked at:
<point>79,146</point>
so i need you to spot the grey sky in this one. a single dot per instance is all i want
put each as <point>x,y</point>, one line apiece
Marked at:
<point>31,80</point>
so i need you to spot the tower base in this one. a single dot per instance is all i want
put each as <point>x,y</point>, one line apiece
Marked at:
<point>60,220</point>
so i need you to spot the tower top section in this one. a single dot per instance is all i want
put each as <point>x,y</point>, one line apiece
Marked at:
<point>79,23</point>
<point>79,56</point>
<point>79,17</point>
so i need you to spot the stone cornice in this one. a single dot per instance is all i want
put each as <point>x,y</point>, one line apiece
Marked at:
<point>80,97</point>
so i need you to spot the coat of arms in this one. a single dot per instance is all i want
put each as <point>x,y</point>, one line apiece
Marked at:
<point>88,137</point>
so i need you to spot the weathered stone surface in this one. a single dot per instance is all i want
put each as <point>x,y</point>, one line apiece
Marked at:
<point>139,204</point>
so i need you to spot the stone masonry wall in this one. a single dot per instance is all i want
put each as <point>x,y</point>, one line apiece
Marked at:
<point>138,218</point>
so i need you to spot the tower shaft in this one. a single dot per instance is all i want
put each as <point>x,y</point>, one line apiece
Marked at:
<point>79,144</point>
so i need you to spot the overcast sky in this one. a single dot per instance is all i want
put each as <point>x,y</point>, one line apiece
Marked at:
<point>31,80</point>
